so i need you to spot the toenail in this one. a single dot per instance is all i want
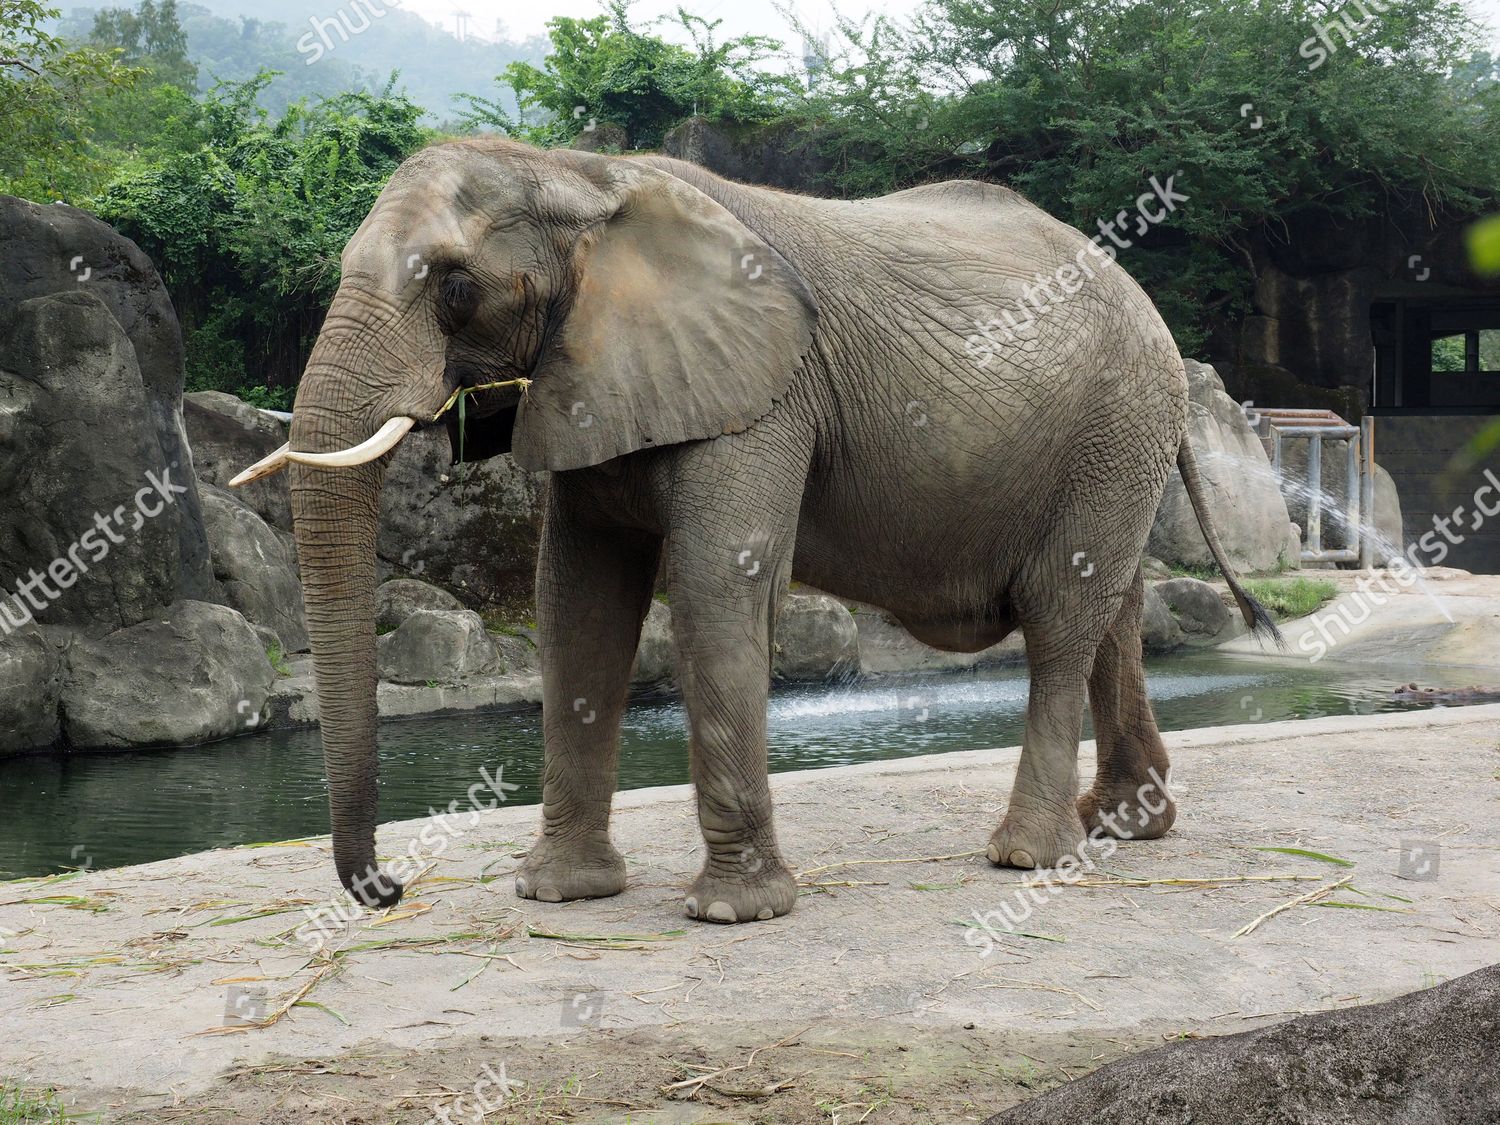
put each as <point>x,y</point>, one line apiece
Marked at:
<point>521,888</point>
<point>692,907</point>
<point>549,894</point>
<point>721,912</point>
<point>1021,859</point>
<point>994,854</point>
<point>765,912</point>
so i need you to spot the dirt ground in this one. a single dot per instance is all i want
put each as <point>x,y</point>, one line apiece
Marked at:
<point>880,998</point>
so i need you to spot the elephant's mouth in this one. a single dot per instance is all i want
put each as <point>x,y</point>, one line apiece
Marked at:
<point>482,429</point>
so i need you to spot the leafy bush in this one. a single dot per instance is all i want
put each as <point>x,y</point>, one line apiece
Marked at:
<point>602,69</point>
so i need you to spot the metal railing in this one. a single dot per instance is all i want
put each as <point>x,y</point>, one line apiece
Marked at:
<point>1275,427</point>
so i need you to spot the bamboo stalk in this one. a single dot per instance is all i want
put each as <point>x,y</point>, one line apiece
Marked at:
<point>460,391</point>
<point>1301,900</point>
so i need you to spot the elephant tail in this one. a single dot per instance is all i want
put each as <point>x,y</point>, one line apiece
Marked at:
<point>1256,615</point>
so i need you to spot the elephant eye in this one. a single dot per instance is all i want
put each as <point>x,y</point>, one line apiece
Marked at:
<point>458,301</point>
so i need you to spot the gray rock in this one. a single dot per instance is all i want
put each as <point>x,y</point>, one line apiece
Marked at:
<point>816,639</point>
<point>1196,605</point>
<point>1390,530</point>
<point>193,674</point>
<point>399,598</point>
<point>779,154</point>
<point>270,639</point>
<point>30,690</point>
<point>256,566</point>
<point>1159,629</point>
<point>470,529</point>
<point>1427,1057</point>
<point>1154,570</point>
<point>655,657</point>
<point>96,506</point>
<point>605,136</point>
<point>1242,492</point>
<point>440,646</point>
<point>227,436</point>
<point>57,249</point>
<point>886,648</point>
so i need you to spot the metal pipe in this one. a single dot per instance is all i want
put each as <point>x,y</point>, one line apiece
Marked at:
<point>1352,491</point>
<point>1313,541</point>
<point>1367,492</point>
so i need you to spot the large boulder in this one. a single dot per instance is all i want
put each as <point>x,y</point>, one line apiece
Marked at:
<point>655,656</point>
<point>227,435</point>
<point>886,648</point>
<point>60,250</point>
<point>438,646</point>
<point>30,689</point>
<point>1159,629</point>
<point>399,598</point>
<point>256,566</point>
<point>816,639</point>
<point>1389,524</point>
<point>1430,1056</point>
<point>472,529</point>
<point>1243,496</point>
<point>102,525</point>
<point>195,673</point>
<point>780,155</point>
<point>1199,610</point>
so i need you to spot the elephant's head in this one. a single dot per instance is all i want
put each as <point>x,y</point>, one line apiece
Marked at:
<point>629,299</point>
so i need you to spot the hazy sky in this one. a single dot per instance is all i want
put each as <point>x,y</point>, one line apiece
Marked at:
<point>761,17</point>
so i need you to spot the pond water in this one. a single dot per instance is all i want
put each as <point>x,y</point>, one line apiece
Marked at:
<point>110,810</point>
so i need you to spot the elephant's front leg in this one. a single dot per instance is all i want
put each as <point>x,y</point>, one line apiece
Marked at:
<point>725,588</point>
<point>593,589</point>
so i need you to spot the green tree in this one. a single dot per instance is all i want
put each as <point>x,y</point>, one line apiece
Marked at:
<point>1265,126</point>
<point>603,69</point>
<point>48,92</point>
<point>247,228</point>
<point>151,36</point>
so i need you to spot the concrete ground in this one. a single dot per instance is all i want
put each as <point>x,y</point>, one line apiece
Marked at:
<point>876,1000</point>
<point>1446,617</point>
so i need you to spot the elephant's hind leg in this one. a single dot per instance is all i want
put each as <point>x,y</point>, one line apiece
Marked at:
<point>593,589</point>
<point>1129,798</point>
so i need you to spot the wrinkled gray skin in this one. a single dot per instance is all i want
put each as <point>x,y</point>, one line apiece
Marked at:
<point>749,386</point>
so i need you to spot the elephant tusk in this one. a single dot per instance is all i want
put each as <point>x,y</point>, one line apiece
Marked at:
<point>271,463</point>
<point>384,440</point>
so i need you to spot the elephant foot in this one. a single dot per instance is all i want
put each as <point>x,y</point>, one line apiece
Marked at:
<point>1031,840</point>
<point>766,893</point>
<point>558,871</point>
<point>1127,812</point>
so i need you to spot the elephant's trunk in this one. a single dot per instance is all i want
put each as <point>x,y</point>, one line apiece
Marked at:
<point>336,512</point>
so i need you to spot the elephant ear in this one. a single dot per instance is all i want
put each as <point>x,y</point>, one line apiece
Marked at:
<point>684,325</point>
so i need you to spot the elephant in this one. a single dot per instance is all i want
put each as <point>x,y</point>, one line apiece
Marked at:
<point>733,387</point>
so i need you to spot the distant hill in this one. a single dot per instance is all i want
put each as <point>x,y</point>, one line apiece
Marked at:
<point>229,43</point>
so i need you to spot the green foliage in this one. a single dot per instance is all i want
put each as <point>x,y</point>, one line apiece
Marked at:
<point>278,661</point>
<point>246,229</point>
<point>28,1107</point>
<point>604,70</point>
<point>1484,246</point>
<point>1289,598</point>
<point>48,91</point>
<point>151,37</point>
<point>1079,105</point>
